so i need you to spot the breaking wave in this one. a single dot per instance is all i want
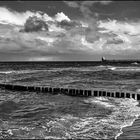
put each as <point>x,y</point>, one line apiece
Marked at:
<point>113,114</point>
<point>127,69</point>
<point>91,68</point>
<point>39,116</point>
<point>21,71</point>
<point>125,112</point>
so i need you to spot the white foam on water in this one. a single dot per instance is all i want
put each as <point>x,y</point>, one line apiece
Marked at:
<point>21,71</point>
<point>125,112</point>
<point>10,132</point>
<point>68,117</point>
<point>133,111</point>
<point>98,68</point>
<point>52,137</point>
<point>131,69</point>
<point>89,68</point>
<point>112,68</point>
<point>6,72</point>
<point>107,67</point>
<point>100,101</point>
<point>25,128</point>
<point>125,125</point>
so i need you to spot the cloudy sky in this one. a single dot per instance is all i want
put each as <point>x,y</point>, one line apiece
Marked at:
<point>69,30</point>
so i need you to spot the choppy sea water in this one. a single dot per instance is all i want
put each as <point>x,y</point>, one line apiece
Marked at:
<point>39,115</point>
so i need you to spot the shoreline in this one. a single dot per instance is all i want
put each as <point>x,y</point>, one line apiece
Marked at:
<point>126,126</point>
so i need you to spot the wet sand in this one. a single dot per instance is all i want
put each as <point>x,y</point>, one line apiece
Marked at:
<point>131,132</point>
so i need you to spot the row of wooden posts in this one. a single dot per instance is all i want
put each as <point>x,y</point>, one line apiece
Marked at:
<point>72,92</point>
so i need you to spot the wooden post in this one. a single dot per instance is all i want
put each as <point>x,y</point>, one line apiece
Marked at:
<point>133,96</point>
<point>37,89</point>
<point>74,92</point>
<point>122,95</point>
<point>127,95</point>
<point>43,89</point>
<point>66,91</point>
<point>108,94</point>
<point>77,92</point>
<point>55,91</point>
<point>95,93</point>
<point>31,89</point>
<point>100,93</point>
<point>104,93</point>
<point>50,90</point>
<point>85,93</point>
<point>138,96</point>
<point>117,94</point>
<point>70,92</point>
<point>24,88</point>
<point>46,89</point>
<point>89,92</point>
<point>112,94</point>
<point>62,91</point>
<point>81,92</point>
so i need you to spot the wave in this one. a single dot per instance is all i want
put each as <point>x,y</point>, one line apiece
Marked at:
<point>21,71</point>
<point>135,63</point>
<point>68,126</point>
<point>100,101</point>
<point>118,68</point>
<point>125,112</point>
<point>115,68</point>
<point>79,69</point>
<point>111,68</point>
<point>126,125</point>
<point>135,69</point>
<point>86,69</point>
<point>134,111</point>
<point>6,72</point>
<point>89,68</point>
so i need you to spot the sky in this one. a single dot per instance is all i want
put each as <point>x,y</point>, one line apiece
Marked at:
<point>69,30</point>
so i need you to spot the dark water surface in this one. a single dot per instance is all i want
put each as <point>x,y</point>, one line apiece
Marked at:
<point>32,115</point>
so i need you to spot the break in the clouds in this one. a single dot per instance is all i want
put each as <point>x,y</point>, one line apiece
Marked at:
<point>37,35</point>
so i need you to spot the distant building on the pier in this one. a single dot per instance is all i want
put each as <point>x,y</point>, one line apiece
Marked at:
<point>103,58</point>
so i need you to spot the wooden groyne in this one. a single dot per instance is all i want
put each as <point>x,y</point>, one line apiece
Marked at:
<point>74,92</point>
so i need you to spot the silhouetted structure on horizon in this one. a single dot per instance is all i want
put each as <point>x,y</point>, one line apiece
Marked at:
<point>134,61</point>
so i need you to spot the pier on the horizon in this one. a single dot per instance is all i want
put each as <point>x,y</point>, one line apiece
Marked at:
<point>104,60</point>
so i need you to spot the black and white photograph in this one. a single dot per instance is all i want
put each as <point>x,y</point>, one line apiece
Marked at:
<point>70,69</point>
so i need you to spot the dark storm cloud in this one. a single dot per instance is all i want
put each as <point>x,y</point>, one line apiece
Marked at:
<point>114,41</point>
<point>68,24</point>
<point>33,24</point>
<point>61,34</point>
<point>87,9</point>
<point>85,6</point>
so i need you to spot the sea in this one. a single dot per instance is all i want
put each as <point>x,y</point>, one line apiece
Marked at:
<point>31,115</point>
